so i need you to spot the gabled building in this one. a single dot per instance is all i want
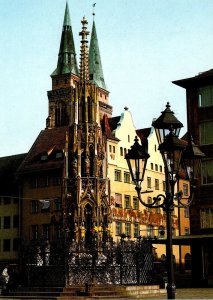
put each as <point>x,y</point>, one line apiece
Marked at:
<point>128,215</point>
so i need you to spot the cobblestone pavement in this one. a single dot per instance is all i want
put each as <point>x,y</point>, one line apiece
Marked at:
<point>188,293</point>
<point>192,293</point>
<point>201,293</point>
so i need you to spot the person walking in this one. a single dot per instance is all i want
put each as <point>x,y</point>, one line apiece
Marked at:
<point>5,279</point>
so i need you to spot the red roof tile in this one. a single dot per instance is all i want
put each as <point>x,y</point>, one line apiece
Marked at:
<point>48,140</point>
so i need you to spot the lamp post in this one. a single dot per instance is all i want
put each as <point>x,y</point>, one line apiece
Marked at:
<point>177,156</point>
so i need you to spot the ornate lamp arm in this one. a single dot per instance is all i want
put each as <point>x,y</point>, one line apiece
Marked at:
<point>155,202</point>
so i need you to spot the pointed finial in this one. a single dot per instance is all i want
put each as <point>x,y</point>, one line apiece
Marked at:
<point>84,61</point>
<point>93,10</point>
<point>67,21</point>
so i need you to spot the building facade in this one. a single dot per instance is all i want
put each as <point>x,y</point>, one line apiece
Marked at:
<point>199,100</point>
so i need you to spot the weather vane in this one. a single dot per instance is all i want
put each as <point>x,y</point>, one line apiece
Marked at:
<point>93,10</point>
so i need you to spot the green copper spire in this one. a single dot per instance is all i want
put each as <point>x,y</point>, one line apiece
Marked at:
<point>95,66</point>
<point>67,57</point>
<point>67,21</point>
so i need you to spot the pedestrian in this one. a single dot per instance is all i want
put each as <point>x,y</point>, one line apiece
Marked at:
<point>5,280</point>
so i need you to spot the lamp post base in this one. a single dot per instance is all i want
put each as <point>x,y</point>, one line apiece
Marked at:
<point>171,290</point>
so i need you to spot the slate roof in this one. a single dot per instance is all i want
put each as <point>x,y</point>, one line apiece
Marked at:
<point>48,142</point>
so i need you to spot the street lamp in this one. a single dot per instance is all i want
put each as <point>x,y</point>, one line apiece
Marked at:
<point>177,156</point>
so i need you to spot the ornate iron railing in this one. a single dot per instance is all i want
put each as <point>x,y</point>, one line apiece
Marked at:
<point>122,263</point>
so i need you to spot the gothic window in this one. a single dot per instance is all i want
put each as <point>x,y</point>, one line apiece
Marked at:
<point>60,115</point>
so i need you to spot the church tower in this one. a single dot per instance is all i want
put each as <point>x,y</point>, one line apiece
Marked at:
<point>64,78</point>
<point>96,74</point>
<point>68,160</point>
<point>79,99</point>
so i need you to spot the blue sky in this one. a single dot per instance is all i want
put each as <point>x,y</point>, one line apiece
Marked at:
<point>144,45</point>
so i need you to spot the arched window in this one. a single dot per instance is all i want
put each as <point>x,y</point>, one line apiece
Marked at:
<point>61,115</point>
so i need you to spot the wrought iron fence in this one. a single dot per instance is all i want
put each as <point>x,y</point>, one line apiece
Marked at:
<point>122,263</point>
